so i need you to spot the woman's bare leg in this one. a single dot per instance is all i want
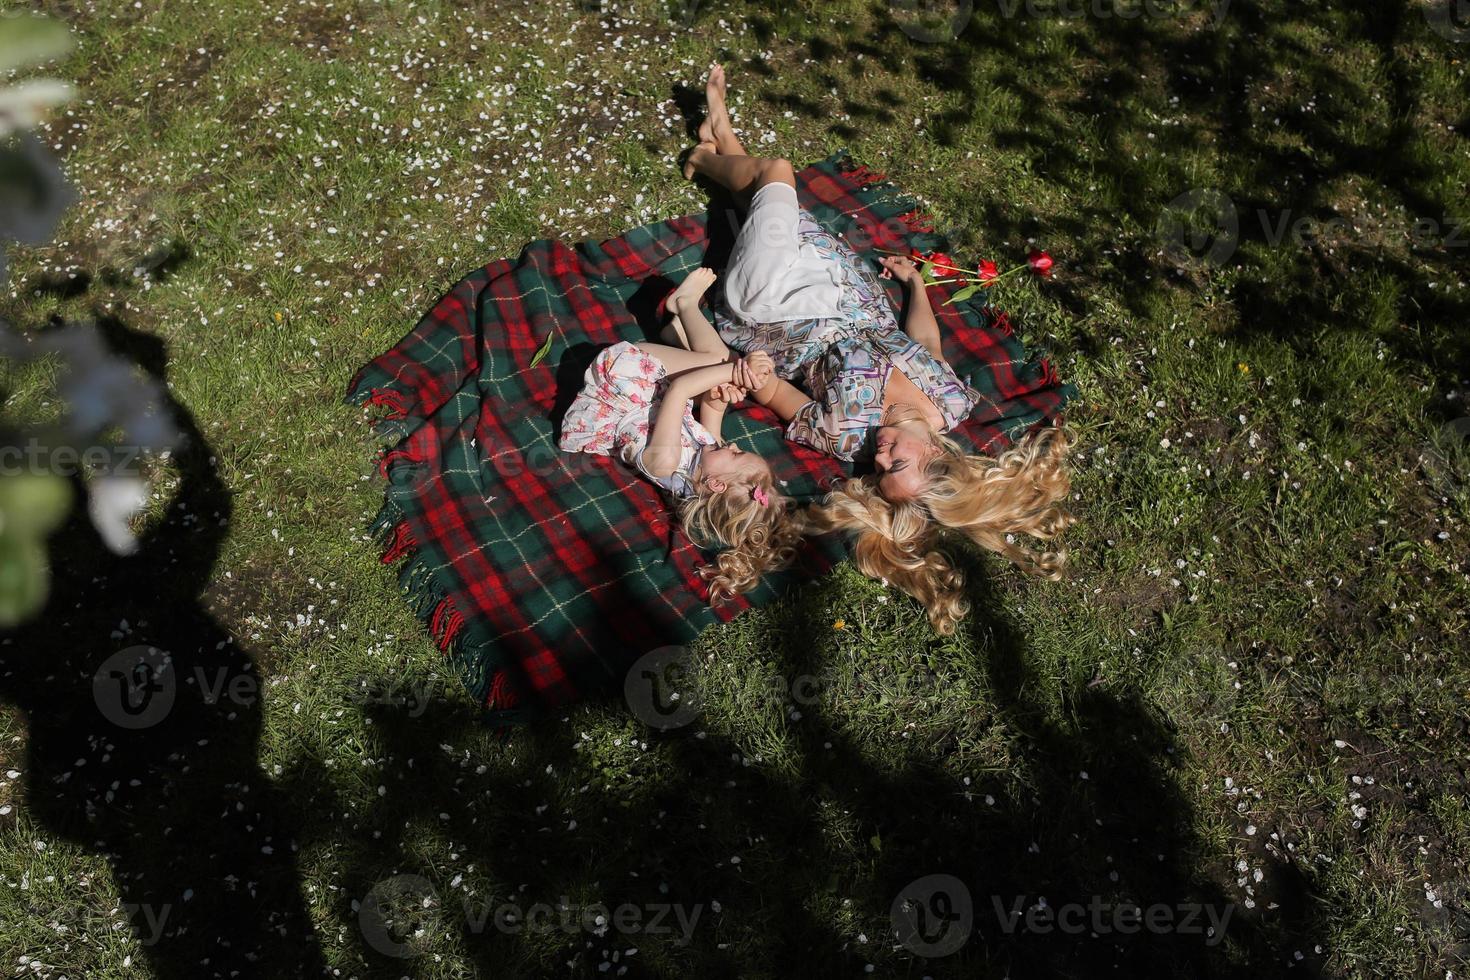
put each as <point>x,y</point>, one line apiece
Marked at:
<point>741,175</point>
<point>720,155</point>
<point>716,127</point>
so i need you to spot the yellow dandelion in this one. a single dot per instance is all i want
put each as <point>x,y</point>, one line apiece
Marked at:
<point>279,318</point>
<point>1244,367</point>
<point>840,624</point>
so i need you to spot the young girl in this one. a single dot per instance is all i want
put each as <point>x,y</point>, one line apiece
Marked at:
<point>635,404</point>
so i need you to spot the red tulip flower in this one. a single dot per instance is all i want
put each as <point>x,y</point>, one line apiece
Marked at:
<point>1040,262</point>
<point>940,259</point>
<point>987,272</point>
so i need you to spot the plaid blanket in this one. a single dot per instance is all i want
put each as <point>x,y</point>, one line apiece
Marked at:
<point>543,575</point>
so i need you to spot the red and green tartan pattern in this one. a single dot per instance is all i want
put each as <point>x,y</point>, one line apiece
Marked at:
<point>545,575</point>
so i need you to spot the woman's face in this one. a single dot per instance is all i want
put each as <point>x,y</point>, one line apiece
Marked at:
<point>902,456</point>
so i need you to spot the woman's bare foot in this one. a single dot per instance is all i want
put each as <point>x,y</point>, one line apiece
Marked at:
<point>716,127</point>
<point>691,163</point>
<point>686,296</point>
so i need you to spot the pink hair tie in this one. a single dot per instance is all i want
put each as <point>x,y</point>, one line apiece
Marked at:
<point>760,496</point>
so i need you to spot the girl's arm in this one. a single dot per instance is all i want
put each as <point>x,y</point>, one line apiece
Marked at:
<point>665,445</point>
<point>712,405</point>
<point>918,322</point>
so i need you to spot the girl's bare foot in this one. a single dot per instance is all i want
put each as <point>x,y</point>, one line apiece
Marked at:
<point>686,296</point>
<point>691,161</point>
<point>716,126</point>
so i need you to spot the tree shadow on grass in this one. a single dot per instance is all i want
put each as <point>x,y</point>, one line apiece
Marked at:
<point>153,762</point>
<point>774,869</point>
<point>1123,115</point>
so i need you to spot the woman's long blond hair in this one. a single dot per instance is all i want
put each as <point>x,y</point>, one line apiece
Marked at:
<point>757,538</point>
<point>988,500</point>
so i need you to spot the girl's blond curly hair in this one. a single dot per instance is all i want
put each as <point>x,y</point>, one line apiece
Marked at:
<point>757,538</point>
<point>988,500</point>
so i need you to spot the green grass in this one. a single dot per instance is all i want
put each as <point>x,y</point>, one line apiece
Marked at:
<point>1263,616</point>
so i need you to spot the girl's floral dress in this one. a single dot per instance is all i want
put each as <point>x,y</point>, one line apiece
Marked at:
<point>844,362</point>
<point>620,395</point>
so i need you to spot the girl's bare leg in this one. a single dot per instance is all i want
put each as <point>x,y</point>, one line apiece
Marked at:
<point>676,360</point>
<point>674,335</point>
<point>697,332</point>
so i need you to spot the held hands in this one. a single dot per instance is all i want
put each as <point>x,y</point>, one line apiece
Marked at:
<point>726,394</point>
<point>754,371</point>
<point>901,268</point>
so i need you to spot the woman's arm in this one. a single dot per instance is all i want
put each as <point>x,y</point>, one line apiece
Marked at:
<point>781,397</point>
<point>918,322</point>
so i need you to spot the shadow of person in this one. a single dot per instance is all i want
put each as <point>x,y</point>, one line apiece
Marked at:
<point>143,716</point>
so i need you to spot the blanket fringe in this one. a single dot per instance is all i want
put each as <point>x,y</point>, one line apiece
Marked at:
<point>400,540</point>
<point>917,221</point>
<point>475,659</point>
<point>396,402</point>
<point>501,697</point>
<point>445,623</point>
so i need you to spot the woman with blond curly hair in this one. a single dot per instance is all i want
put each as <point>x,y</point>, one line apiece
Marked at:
<point>799,293</point>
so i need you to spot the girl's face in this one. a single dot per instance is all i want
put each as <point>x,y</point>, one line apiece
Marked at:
<point>902,453</point>
<point>721,466</point>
